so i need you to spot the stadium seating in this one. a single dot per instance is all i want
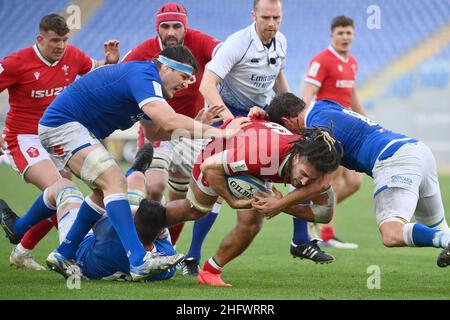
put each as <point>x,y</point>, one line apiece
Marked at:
<point>19,21</point>
<point>405,24</point>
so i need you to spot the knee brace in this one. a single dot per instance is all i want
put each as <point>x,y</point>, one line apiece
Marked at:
<point>197,205</point>
<point>98,161</point>
<point>179,186</point>
<point>69,195</point>
<point>135,197</point>
<point>393,219</point>
<point>160,164</point>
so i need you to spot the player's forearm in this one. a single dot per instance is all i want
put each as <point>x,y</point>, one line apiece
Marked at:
<point>300,195</point>
<point>356,105</point>
<point>160,135</point>
<point>281,84</point>
<point>208,89</point>
<point>214,174</point>
<point>99,63</point>
<point>153,132</point>
<point>320,209</point>
<point>187,126</point>
<point>309,92</point>
<point>300,211</point>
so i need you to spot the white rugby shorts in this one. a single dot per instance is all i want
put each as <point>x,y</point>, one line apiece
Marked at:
<point>407,182</point>
<point>63,141</point>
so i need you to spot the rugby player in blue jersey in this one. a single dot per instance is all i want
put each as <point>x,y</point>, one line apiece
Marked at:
<point>403,170</point>
<point>89,110</point>
<point>101,254</point>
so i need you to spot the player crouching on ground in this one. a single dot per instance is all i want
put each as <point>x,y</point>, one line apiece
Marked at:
<point>101,254</point>
<point>270,152</point>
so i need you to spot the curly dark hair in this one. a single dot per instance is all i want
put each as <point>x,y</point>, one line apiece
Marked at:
<point>319,148</point>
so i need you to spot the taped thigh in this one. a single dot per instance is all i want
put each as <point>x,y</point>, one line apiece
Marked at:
<point>179,186</point>
<point>162,157</point>
<point>159,164</point>
<point>69,195</point>
<point>196,204</point>
<point>97,161</point>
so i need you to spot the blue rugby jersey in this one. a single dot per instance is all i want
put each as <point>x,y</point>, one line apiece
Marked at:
<point>107,99</point>
<point>102,254</point>
<point>362,139</point>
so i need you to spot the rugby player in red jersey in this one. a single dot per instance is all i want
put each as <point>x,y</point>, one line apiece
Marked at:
<point>34,76</point>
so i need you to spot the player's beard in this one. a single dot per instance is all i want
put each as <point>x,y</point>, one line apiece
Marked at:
<point>164,42</point>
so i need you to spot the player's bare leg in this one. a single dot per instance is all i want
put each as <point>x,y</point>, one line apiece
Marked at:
<point>248,225</point>
<point>105,174</point>
<point>195,206</point>
<point>21,255</point>
<point>156,183</point>
<point>200,230</point>
<point>392,234</point>
<point>178,187</point>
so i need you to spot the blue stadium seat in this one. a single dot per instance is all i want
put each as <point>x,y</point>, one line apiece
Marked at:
<point>404,25</point>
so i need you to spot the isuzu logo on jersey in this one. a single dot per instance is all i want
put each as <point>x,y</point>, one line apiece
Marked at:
<point>46,93</point>
<point>345,84</point>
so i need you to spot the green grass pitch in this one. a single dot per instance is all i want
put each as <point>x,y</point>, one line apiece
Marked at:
<point>265,271</point>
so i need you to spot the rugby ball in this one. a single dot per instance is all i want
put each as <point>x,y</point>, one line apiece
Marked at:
<point>244,186</point>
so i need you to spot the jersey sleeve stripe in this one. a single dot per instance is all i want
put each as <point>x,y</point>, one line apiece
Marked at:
<point>216,48</point>
<point>126,55</point>
<point>93,64</point>
<point>144,102</point>
<point>313,82</point>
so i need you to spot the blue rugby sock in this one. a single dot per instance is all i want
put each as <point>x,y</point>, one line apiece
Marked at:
<point>85,220</point>
<point>130,171</point>
<point>119,213</point>
<point>199,233</point>
<point>419,235</point>
<point>39,211</point>
<point>301,235</point>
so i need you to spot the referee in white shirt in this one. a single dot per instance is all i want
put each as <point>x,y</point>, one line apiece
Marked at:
<point>250,63</point>
<point>244,73</point>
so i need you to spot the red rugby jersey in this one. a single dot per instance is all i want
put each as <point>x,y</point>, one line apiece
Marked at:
<point>33,83</point>
<point>188,101</point>
<point>334,75</point>
<point>260,149</point>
